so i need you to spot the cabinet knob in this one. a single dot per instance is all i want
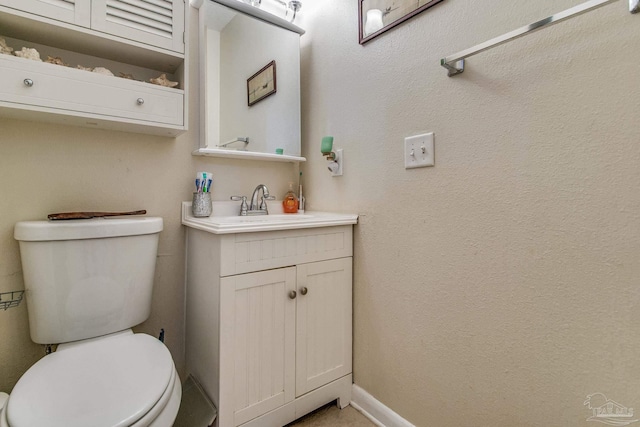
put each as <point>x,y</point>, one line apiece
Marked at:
<point>304,291</point>
<point>28,82</point>
<point>140,101</point>
<point>292,294</point>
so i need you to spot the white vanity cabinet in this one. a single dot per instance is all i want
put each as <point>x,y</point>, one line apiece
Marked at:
<point>269,321</point>
<point>138,40</point>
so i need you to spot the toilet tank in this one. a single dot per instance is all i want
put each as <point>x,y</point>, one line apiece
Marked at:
<point>87,278</point>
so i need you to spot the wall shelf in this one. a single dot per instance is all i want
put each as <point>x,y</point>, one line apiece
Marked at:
<point>247,155</point>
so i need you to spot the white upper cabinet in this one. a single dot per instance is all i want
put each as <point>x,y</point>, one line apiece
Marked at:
<point>136,40</point>
<point>156,22</point>
<point>77,12</point>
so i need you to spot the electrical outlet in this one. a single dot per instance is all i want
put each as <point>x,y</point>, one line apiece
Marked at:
<point>336,166</point>
<point>419,151</point>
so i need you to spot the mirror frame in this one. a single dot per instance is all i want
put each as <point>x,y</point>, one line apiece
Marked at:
<point>257,13</point>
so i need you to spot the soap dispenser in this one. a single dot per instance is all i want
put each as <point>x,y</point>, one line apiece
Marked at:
<point>290,202</point>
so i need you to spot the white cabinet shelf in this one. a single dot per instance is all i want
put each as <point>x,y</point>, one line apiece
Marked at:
<point>64,94</point>
<point>269,346</point>
<point>247,155</point>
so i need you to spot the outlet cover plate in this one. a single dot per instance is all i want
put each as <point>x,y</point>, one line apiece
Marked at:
<point>419,151</point>
<point>340,160</point>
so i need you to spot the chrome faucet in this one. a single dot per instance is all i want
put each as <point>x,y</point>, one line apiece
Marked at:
<point>260,209</point>
<point>258,204</point>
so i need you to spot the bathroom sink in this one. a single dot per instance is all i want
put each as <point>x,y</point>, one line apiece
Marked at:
<point>225,220</point>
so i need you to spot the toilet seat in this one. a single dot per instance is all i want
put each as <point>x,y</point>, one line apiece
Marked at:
<point>119,380</point>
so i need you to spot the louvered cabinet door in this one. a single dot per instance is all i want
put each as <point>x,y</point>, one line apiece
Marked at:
<point>158,23</point>
<point>76,12</point>
<point>257,334</point>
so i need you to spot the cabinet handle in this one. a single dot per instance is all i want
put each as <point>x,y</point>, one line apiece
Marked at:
<point>304,291</point>
<point>292,295</point>
<point>28,82</point>
<point>140,101</point>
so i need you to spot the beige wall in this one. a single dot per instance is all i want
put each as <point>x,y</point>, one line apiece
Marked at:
<point>48,168</point>
<point>500,287</point>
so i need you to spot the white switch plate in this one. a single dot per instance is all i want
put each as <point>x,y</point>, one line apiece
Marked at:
<point>419,151</point>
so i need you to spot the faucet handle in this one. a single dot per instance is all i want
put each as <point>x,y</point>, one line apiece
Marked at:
<point>263,202</point>
<point>243,206</point>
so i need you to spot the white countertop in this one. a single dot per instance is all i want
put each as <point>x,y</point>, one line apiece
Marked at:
<point>225,219</point>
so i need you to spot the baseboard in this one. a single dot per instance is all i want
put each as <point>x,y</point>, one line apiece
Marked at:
<point>376,411</point>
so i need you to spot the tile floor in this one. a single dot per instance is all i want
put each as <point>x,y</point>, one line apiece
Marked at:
<point>331,416</point>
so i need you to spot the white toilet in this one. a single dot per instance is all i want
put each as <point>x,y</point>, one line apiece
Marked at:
<point>87,283</point>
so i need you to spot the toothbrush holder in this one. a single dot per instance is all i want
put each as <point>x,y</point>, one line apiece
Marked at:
<point>201,206</point>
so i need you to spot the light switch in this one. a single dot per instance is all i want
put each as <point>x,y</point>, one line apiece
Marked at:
<point>419,151</point>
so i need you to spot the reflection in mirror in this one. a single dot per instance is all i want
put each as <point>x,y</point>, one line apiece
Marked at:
<point>234,48</point>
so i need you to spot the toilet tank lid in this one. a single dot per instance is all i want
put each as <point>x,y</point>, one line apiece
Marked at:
<point>95,228</point>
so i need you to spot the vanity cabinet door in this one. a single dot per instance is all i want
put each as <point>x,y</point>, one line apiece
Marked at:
<point>257,333</point>
<point>77,12</point>
<point>324,319</point>
<point>158,23</point>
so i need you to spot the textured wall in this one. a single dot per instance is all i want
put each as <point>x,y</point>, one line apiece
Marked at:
<point>500,287</point>
<point>48,168</point>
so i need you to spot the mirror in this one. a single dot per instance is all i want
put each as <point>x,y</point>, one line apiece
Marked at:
<point>250,80</point>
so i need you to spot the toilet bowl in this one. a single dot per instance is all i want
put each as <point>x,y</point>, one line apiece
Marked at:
<point>87,283</point>
<point>3,399</point>
<point>120,380</point>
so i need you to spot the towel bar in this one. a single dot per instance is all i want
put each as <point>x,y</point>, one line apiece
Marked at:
<point>455,63</point>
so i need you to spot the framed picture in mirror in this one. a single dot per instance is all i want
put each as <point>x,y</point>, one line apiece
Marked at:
<point>262,83</point>
<point>377,16</point>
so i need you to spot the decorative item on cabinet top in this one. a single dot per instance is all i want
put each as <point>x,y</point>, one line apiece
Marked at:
<point>147,94</point>
<point>33,54</point>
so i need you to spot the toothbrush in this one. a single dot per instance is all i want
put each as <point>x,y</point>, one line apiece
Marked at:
<point>204,182</point>
<point>300,197</point>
